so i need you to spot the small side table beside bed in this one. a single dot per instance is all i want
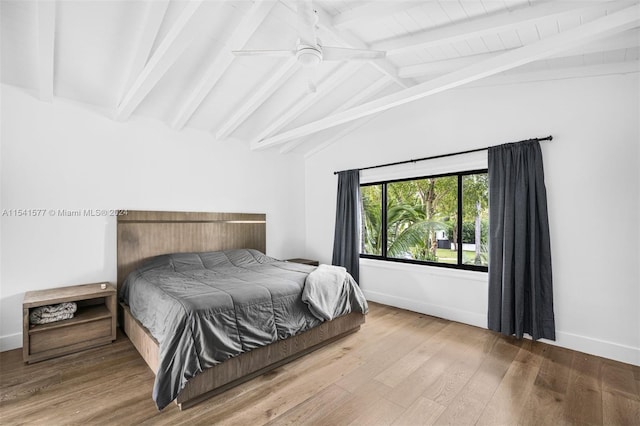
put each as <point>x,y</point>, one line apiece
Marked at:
<point>304,261</point>
<point>93,324</point>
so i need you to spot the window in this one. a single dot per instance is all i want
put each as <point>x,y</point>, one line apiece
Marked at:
<point>436,220</point>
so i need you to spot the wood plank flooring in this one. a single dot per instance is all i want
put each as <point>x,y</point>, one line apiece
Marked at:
<point>401,368</point>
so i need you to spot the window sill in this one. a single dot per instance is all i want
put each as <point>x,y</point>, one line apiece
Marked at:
<point>426,269</point>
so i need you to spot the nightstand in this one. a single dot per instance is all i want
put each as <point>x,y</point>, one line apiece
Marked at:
<point>304,261</point>
<point>93,324</point>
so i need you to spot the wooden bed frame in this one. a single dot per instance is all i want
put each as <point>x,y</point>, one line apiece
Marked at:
<point>144,234</point>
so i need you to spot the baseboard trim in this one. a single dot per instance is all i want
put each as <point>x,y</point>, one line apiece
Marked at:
<point>589,345</point>
<point>10,341</point>
<point>466,317</point>
<point>599,347</point>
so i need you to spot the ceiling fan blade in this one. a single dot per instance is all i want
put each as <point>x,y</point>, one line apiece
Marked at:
<point>345,54</point>
<point>307,21</point>
<point>279,53</point>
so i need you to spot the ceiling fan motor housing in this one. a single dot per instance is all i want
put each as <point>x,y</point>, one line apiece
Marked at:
<point>308,56</point>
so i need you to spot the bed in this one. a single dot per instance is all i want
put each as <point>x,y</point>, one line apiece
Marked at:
<point>193,245</point>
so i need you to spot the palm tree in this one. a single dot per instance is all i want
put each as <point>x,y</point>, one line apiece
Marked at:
<point>411,240</point>
<point>406,229</point>
<point>475,206</point>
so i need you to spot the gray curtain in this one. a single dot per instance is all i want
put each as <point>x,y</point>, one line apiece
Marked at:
<point>520,283</point>
<point>346,248</point>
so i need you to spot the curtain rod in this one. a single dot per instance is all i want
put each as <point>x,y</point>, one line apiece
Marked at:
<point>433,157</point>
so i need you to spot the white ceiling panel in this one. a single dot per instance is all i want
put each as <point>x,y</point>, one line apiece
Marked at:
<point>242,79</point>
<point>333,101</point>
<point>93,48</point>
<point>213,19</point>
<point>19,42</point>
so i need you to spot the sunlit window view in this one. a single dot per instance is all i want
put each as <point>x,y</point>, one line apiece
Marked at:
<point>428,220</point>
<point>371,238</point>
<point>475,219</point>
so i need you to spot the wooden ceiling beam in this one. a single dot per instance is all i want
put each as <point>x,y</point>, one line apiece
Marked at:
<point>487,25</point>
<point>372,11</point>
<point>153,19</point>
<point>628,40</point>
<point>336,78</point>
<point>562,73</point>
<point>360,97</point>
<point>250,22</point>
<point>172,46</point>
<point>605,26</point>
<point>46,18</point>
<point>259,96</point>
<point>441,67</point>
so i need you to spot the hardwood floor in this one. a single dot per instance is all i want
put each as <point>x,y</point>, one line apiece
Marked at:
<point>401,368</point>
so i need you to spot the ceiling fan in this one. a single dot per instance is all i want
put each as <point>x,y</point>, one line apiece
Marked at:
<point>309,50</point>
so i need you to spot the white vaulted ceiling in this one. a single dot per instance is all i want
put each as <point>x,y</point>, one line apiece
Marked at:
<point>172,60</point>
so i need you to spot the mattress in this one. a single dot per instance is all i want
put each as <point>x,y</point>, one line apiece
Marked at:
<point>204,308</point>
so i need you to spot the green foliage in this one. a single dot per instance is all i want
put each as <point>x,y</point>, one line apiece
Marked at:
<point>475,188</point>
<point>469,232</point>
<point>417,209</point>
<point>372,219</point>
<point>411,240</point>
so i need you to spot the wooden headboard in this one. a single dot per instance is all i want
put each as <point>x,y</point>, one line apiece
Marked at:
<point>144,234</point>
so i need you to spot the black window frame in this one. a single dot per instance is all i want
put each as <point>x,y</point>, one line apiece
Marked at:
<point>383,215</point>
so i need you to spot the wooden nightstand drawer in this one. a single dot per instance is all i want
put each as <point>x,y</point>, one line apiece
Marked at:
<point>42,340</point>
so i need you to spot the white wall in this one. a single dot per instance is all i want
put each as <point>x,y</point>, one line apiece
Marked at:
<point>593,186</point>
<point>62,156</point>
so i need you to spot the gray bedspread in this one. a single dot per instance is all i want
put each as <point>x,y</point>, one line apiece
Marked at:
<point>204,308</point>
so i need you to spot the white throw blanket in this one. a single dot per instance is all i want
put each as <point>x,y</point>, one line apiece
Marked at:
<point>323,290</point>
<point>52,313</point>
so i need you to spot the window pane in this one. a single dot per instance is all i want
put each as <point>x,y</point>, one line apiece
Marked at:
<point>475,220</point>
<point>371,238</point>
<point>421,219</point>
